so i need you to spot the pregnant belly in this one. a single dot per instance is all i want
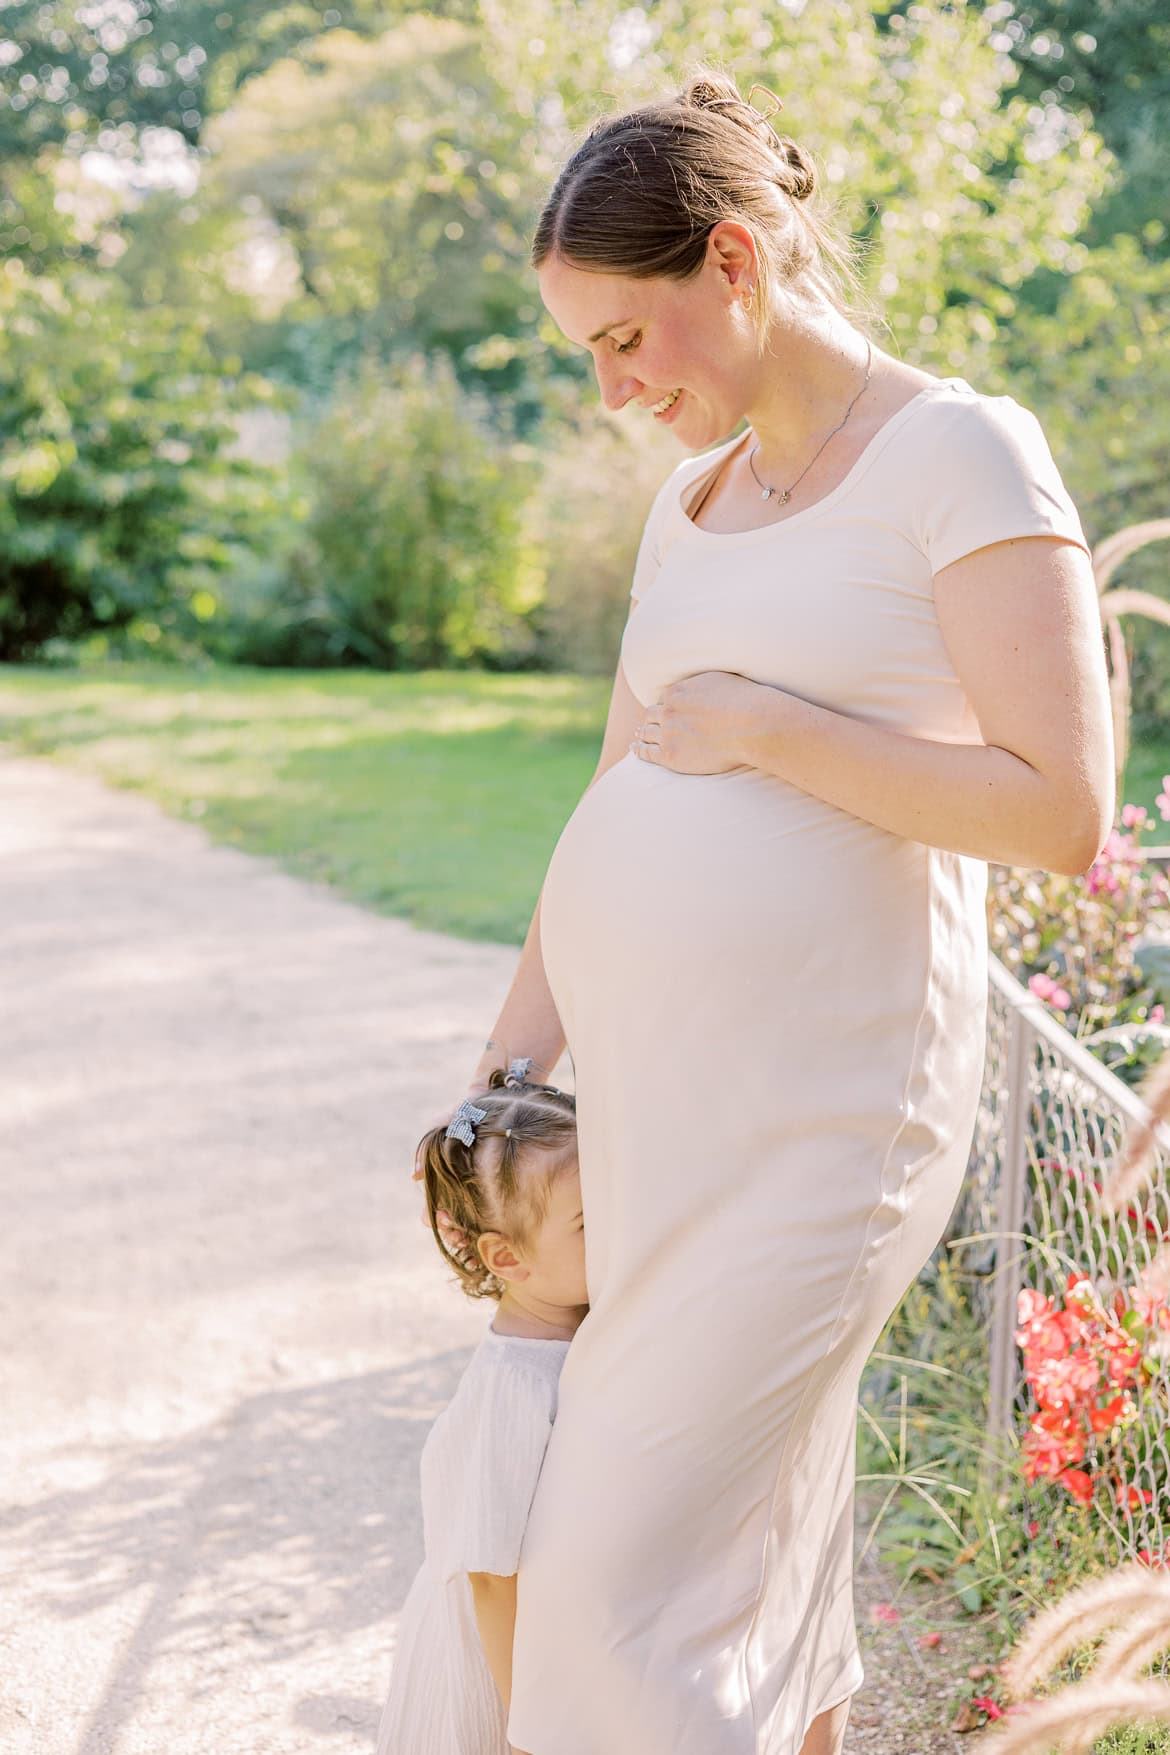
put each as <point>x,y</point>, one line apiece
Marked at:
<point>714,888</point>
<point>759,991</point>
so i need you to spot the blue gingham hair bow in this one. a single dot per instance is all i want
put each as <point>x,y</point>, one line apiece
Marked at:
<point>462,1124</point>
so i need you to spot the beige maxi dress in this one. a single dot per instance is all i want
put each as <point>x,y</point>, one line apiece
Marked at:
<point>775,1013</point>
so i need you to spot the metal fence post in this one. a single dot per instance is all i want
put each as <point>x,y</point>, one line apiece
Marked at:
<point>1010,1207</point>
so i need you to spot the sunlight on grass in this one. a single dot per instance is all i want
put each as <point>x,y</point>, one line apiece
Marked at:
<point>436,795</point>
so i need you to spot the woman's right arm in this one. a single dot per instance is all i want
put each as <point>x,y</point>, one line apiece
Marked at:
<point>528,1025</point>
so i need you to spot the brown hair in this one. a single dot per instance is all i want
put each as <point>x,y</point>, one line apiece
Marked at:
<point>494,1186</point>
<point>641,193</point>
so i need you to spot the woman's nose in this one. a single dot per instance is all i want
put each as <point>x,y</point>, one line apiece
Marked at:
<point>617,387</point>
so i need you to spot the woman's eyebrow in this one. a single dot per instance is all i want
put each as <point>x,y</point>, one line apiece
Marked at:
<point>615,325</point>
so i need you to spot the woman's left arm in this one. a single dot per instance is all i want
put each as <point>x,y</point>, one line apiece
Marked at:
<point>1021,622</point>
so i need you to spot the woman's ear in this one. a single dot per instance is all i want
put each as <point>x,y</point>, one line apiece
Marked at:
<point>732,249</point>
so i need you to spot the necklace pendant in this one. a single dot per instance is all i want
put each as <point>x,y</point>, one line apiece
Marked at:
<point>785,496</point>
<point>766,493</point>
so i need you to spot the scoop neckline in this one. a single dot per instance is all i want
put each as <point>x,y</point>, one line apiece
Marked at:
<point>866,456</point>
<point>528,1340</point>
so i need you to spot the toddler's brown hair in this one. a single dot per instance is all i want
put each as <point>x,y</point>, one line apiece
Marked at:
<point>492,1185</point>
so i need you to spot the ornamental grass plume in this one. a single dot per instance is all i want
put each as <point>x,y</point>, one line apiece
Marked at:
<point>1135,1603</point>
<point>1136,1163</point>
<point>1137,1169</point>
<point>1073,1720</point>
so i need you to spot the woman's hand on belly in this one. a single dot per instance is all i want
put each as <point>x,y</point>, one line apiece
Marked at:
<point>694,725</point>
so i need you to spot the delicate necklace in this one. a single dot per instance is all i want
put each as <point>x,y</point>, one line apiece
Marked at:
<point>786,495</point>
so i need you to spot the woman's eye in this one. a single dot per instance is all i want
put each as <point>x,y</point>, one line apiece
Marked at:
<point>625,346</point>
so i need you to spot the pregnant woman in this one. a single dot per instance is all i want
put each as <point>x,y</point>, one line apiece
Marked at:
<point>866,658</point>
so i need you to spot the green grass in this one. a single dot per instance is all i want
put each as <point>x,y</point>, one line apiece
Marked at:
<point>1133,1742</point>
<point>437,796</point>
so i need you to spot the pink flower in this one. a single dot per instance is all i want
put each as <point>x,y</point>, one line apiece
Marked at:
<point>1151,1307</point>
<point>1156,1014</point>
<point>1044,987</point>
<point>1060,1384</point>
<point>886,1612</point>
<point>1133,815</point>
<point>1163,799</point>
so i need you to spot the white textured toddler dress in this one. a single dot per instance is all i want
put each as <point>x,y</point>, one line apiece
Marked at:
<point>478,1472</point>
<point>775,1012</point>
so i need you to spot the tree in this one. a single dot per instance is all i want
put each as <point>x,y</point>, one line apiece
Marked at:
<point>388,167</point>
<point>120,505</point>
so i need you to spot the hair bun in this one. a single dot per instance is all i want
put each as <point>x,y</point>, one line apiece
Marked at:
<point>711,91</point>
<point>718,92</point>
<point>801,167</point>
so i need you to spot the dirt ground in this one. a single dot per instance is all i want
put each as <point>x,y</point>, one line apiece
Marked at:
<point>225,1332</point>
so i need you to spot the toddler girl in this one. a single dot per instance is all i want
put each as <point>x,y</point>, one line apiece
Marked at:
<point>503,1199</point>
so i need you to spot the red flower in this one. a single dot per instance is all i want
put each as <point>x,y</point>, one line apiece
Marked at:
<point>986,1704</point>
<point>1079,1484</point>
<point>1101,1419</point>
<point>1132,1498</point>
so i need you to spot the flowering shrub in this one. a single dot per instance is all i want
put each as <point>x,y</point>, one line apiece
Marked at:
<point>1073,941</point>
<point>1085,1363</point>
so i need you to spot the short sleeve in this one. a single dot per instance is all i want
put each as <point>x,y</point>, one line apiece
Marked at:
<point>985,473</point>
<point>481,1526</point>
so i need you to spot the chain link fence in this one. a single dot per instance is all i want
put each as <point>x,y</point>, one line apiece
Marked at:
<point>1051,1123</point>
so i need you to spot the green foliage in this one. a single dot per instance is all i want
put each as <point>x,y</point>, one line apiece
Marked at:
<point>82,70</point>
<point>961,190</point>
<point>414,549</point>
<point>368,177</point>
<point>1098,364</point>
<point>388,167</point>
<point>1112,59</point>
<point>118,505</point>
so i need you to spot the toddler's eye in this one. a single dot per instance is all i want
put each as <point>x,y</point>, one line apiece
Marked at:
<point>625,346</point>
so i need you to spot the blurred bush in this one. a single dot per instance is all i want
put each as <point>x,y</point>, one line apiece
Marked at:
<point>119,505</point>
<point>598,482</point>
<point>408,542</point>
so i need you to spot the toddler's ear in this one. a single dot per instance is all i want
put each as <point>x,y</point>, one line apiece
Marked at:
<point>501,1258</point>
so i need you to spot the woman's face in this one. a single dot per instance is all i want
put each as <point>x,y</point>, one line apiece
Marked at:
<point>693,337</point>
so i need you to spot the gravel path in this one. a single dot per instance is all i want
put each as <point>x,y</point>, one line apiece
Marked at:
<point>225,1331</point>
